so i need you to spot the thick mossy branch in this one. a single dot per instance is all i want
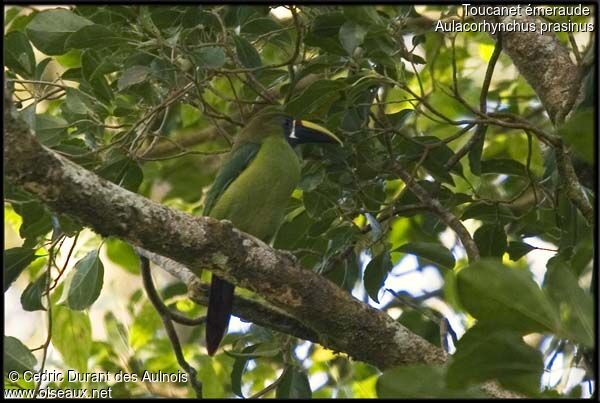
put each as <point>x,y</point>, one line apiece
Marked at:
<point>342,323</point>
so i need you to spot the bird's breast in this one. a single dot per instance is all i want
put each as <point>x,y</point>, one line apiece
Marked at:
<point>255,202</point>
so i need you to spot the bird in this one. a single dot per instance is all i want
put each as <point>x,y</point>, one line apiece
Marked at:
<point>252,190</point>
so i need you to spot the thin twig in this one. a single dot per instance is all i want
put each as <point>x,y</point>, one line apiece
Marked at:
<point>166,316</point>
<point>49,302</point>
<point>61,272</point>
<point>481,128</point>
<point>268,388</point>
<point>442,212</point>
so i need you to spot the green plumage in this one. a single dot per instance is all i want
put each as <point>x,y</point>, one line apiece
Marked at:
<point>254,187</point>
<point>252,191</point>
<point>238,161</point>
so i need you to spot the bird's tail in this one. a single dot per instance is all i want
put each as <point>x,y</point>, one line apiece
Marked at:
<point>219,311</point>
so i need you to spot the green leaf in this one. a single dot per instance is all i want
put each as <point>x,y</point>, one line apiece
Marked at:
<point>260,26</point>
<point>418,39</point>
<point>419,381</point>
<point>583,256</point>
<point>407,197</point>
<point>578,132</point>
<point>18,54</point>
<point>213,382</point>
<point>10,13</point>
<point>413,58</point>
<point>488,213</point>
<point>375,274</point>
<point>15,261</point>
<point>344,273</point>
<point>417,322</point>
<point>248,55</point>
<point>436,155</point>
<point>144,326</point>
<point>576,306</point>
<point>17,356</point>
<point>31,299</point>
<point>40,68</point>
<point>122,254</point>
<point>315,96</point>
<point>209,57</point>
<point>132,76</point>
<point>316,204</point>
<point>517,249</point>
<point>486,352</point>
<point>36,221</point>
<point>238,370</point>
<point>87,282</point>
<point>70,60</point>
<point>477,150</point>
<point>352,35</point>
<point>49,30</point>
<point>362,14</point>
<point>116,332</point>
<point>264,351</point>
<point>72,75</point>
<point>503,166</point>
<point>50,130</point>
<point>20,22</point>
<point>313,175</point>
<point>67,225</point>
<point>93,68</point>
<point>72,336</point>
<point>433,252</point>
<point>124,172</point>
<point>506,297</point>
<point>398,119</point>
<point>324,33</point>
<point>74,103</point>
<point>294,385</point>
<point>92,36</point>
<point>491,240</point>
<point>292,233</point>
<point>80,103</point>
<point>323,224</point>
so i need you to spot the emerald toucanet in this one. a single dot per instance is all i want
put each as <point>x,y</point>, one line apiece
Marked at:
<point>252,190</point>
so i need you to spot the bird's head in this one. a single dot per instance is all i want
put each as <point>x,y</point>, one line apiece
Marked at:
<point>273,119</point>
<point>298,131</point>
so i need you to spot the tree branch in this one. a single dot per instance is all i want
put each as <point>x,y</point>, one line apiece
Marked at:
<point>443,213</point>
<point>341,322</point>
<point>574,190</point>
<point>544,62</point>
<point>247,310</point>
<point>546,65</point>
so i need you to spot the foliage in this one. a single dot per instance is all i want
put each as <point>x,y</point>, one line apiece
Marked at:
<point>134,93</point>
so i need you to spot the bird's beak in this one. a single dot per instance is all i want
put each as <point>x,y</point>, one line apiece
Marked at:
<point>303,131</point>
